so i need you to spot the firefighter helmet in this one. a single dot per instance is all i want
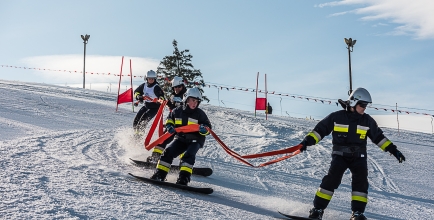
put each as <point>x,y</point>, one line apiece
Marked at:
<point>176,81</point>
<point>359,95</point>
<point>151,75</point>
<point>194,93</point>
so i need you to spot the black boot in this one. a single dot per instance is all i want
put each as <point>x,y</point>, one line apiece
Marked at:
<point>184,178</point>
<point>316,213</point>
<point>358,216</point>
<point>159,175</point>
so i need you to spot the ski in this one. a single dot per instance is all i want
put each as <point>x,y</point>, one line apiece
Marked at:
<point>201,171</point>
<point>173,185</point>
<point>296,217</point>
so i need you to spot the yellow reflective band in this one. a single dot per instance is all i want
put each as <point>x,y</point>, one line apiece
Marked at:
<point>180,156</point>
<point>191,123</point>
<point>136,94</point>
<point>323,195</point>
<point>157,150</point>
<point>169,121</point>
<point>188,169</point>
<point>362,133</point>
<point>340,129</point>
<point>162,167</point>
<point>386,144</point>
<point>314,137</point>
<point>207,133</point>
<point>178,121</point>
<point>359,198</point>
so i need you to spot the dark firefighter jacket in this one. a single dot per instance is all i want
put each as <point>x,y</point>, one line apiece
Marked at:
<point>182,116</point>
<point>349,131</point>
<point>175,100</point>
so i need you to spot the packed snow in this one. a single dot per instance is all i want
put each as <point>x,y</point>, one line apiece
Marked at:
<point>65,155</point>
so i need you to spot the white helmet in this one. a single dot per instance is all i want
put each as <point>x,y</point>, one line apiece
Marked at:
<point>151,75</point>
<point>194,93</point>
<point>177,81</point>
<point>359,95</point>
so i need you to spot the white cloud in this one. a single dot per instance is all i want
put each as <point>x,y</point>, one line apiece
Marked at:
<point>413,17</point>
<point>69,68</point>
<point>379,24</point>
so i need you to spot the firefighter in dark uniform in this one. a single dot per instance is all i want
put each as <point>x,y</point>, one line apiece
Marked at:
<point>189,143</point>
<point>178,91</point>
<point>175,100</point>
<point>350,129</point>
<point>151,89</point>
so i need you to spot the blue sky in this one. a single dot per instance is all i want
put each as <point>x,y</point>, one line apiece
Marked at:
<point>298,44</point>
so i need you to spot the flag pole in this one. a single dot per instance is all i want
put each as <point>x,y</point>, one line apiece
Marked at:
<point>256,99</point>
<point>131,76</point>
<point>119,86</point>
<point>266,100</point>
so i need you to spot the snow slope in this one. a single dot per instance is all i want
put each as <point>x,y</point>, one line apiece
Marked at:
<point>64,154</point>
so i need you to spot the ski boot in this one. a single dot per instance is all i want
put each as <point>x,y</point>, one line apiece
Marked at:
<point>358,216</point>
<point>159,175</point>
<point>184,178</point>
<point>315,213</point>
<point>155,156</point>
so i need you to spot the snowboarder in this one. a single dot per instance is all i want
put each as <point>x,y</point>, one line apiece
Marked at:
<point>175,100</point>
<point>152,90</point>
<point>350,129</point>
<point>189,143</point>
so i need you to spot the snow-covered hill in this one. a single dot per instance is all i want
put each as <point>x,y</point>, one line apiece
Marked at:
<point>64,154</point>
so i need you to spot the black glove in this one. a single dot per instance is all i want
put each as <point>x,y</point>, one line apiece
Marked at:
<point>399,156</point>
<point>304,147</point>
<point>140,98</point>
<point>395,152</point>
<point>170,128</point>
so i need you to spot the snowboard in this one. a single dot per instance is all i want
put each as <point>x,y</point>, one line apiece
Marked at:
<point>201,171</point>
<point>296,217</point>
<point>173,185</point>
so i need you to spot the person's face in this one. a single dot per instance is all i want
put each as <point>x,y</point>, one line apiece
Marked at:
<point>150,80</point>
<point>177,89</point>
<point>361,107</point>
<point>192,102</point>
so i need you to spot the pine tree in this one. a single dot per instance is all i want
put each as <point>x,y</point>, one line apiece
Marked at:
<point>179,64</point>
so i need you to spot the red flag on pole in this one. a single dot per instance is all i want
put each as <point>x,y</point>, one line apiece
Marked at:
<point>127,96</point>
<point>261,104</point>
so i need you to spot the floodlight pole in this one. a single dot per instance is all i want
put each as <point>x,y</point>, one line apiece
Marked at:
<point>85,39</point>
<point>350,44</point>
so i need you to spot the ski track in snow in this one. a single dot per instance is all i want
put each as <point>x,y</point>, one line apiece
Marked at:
<point>64,154</point>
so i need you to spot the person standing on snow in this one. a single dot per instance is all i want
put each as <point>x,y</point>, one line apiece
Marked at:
<point>175,100</point>
<point>189,143</point>
<point>350,129</point>
<point>269,109</point>
<point>152,90</point>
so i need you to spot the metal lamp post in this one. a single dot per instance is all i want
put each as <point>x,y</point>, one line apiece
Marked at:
<point>350,44</point>
<point>85,39</point>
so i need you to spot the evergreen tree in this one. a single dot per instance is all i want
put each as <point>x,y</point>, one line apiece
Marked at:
<point>179,64</point>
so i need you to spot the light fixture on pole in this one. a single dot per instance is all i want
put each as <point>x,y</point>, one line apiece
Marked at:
<point>350,44</point>
<point>85,39</point>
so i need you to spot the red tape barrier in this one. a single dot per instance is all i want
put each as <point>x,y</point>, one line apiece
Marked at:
<point>158,118</point>
<point>291,151</point>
